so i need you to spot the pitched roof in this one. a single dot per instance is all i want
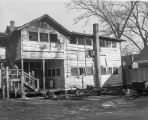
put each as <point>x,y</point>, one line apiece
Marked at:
<point>143,55</point>
<point>46,18</point>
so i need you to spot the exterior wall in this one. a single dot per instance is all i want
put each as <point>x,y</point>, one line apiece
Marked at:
<point>112,59</point>
<point>75,57</point>
<point>59,81</point>
<point>38,49</point>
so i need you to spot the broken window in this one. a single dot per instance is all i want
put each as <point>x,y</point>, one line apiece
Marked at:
<point>53,37</point>
<point>74,71</point>
<point>89,70</point>
<point>33,36</point>
<point>44,37</point>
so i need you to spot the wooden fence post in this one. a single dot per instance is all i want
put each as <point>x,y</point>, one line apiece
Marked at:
<point>7,81</point>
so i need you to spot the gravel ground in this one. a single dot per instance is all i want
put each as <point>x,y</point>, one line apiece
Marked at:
<point>92,108</point>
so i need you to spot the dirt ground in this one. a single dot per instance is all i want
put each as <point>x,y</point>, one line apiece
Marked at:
<point>92,108</point>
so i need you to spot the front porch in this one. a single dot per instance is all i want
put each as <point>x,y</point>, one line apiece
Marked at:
<point>49,72</point>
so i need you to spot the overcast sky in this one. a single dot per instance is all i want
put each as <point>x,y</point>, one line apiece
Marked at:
<point>23,11</point>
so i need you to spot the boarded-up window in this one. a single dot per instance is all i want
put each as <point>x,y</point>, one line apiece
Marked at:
<point>108,44</point>
<point>81,41</point>
<point>73,40</point>
<point>58,72</point>
<point>33,36</point>
<point>89,70</point>
<point>88,41</point>
<point>115,70</point>
<point>102,43</point>
<point>53,37</point>
<point>44,37</point>
<point>74,71</point>
<point>114,45</point>
<point>103,70</point>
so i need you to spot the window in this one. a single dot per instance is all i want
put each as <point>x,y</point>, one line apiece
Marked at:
<point>88,41</point>
<point>53,37</point>
<point>81,41</point>
<point>103,70</point>
<point>33,36</point>
<point>109,70</point>
<point>114,44</point>
<point>89,70</point>
<point>44,37</point>
<point>74,71</point>
<point>102,43</point>
<point>38,65</point>
<point>58,72</point>
<point>115,70</point>
<point>53,72</point>
<point>81,71</point>
<point>49,72</point>
<point>108,44</point>
<point>73,40</point>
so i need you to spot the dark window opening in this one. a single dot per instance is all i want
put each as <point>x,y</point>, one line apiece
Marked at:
<point>81,71</point>
<point>43,25</point>
<point>53,37</point>
<point>73,40</point>
<point>44,37</point>
<point>53,72</point>
<point>102,43</point>
<point>58,72</point>
<point>115,70</point>
<point>33,36</point>
<point>81,41</point>
<point>49,73</point>
<point>88,41</point>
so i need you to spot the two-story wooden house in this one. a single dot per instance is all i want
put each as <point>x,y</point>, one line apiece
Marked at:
<point>59,58</point>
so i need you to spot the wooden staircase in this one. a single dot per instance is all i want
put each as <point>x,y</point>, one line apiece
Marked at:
<point>18,81</point>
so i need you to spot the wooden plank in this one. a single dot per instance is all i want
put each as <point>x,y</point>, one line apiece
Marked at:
<point>7,81</point>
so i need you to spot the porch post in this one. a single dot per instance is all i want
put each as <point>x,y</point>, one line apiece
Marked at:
<point>22,76</point>
<point>44,74</point>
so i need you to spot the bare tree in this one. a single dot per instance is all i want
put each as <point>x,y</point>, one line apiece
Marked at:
<point>120,19</point>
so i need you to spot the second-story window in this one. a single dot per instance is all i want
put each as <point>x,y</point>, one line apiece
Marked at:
<point>33,36</point>
<point>73,40</point>
<point>44,37</point>
<point>81,41</point>
<point>88,41</point>
<point>109,44</point>
<point>53,37</point>
<point>102,43</point>
<point>114,45</point>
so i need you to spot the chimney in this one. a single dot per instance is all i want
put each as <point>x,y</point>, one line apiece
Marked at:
<point>12,26</point>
